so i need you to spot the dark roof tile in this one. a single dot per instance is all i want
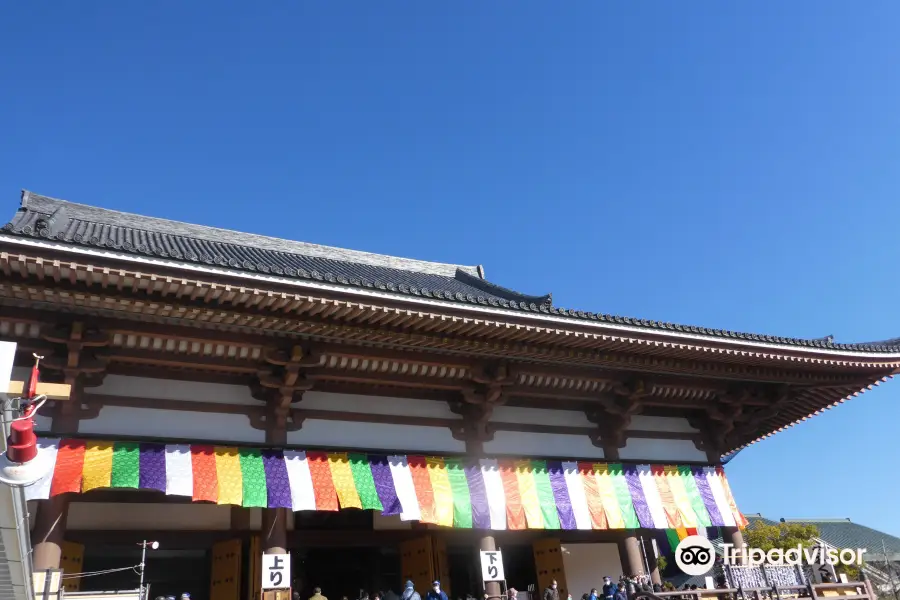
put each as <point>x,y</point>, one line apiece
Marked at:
<point>67,222</point>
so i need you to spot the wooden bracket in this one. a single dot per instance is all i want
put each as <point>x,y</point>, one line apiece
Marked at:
<point>260,419</point>
<point>479,400</point>
<point>82,358</point>
<point>615,416</point>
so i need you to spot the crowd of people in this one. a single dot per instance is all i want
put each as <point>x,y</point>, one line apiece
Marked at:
<point>409,593</point>
<point>623,589</point>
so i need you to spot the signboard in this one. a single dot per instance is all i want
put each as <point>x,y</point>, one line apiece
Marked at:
<point>823,573</point>
<point>276,571</point>
<point>492,566</point>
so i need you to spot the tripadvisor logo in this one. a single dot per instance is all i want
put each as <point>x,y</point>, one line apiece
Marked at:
<point>695,556</point>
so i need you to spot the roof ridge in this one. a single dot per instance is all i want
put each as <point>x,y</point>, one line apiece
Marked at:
<point>33,202</point>
<point>824,520</point>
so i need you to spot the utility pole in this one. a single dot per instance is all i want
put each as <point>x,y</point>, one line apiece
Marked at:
<point>889,569</point>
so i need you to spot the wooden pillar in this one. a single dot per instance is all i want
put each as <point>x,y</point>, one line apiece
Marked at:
<point>630,555</point>
<point>274,530</point>
<point>736,537</point>
<point>274,520</point>
<point>488,544</point>
<point>610,449</point>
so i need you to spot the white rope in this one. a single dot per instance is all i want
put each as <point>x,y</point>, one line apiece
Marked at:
<point>93,573</point>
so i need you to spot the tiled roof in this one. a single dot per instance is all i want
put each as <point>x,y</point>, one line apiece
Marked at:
<point>89,226</point>
<point>844,533</point>
<point>58,220</point>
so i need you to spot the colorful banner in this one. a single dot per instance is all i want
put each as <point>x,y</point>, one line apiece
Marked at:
<point>449,492</point>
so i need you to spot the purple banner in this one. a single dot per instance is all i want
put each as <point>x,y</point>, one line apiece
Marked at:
<point>384,484</point>
<point>278,486</point>
<point>481,512</point>
<point>637,496</point>
<point>561,494</point>
<point>153,467</point>
<point>709,501</point>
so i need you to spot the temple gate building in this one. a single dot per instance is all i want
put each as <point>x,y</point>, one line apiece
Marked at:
<point>380,418</point>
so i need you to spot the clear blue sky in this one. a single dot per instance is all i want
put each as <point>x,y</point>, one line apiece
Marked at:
<point>697,162</point>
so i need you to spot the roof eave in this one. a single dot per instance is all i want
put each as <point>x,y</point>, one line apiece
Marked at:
<point>547,319</point>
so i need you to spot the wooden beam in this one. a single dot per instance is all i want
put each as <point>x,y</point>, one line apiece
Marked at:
<point>261,313</point>
<point>53,391</point>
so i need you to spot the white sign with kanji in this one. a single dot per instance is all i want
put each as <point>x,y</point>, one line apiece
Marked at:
<point>492,566</point>
<point>276,571</point>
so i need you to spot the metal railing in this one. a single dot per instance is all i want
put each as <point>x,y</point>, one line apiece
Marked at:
<point>854,590</point>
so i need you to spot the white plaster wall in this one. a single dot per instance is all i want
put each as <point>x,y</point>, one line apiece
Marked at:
<point>647,450</point>
<point>376,405</point>
<point>151,422</point>
<point>587,564</point>
<point>171,389</point>
<point>515,443</point>
<point>42,424</point>
<point>540,416</point>
<point>383,436</point>
<point>674,424</point>
<point>135,516</point>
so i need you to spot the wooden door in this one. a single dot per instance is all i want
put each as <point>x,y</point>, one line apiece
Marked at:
<point>254,571</point>
<point>417,563</point>
<point>548,562</point>
<point>441,564</point>
<point>71,561</point>
<point>225,576</point>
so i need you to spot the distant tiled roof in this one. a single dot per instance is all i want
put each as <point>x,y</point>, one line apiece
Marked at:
<point>844,533</point>
<point>89,226</point>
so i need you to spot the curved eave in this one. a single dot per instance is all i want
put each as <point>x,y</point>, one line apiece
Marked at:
<point>553,325</point>
<point>733,452</point>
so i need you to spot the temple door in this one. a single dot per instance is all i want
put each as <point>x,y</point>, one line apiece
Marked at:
<point>548,562</point>
<point>441,564</point>
<point>417,563</point>
<point>225,576</point>
<point>71,561</point>
<point>254,570</point>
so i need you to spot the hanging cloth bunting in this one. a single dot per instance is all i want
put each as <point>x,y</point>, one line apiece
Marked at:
<point>446,491</point>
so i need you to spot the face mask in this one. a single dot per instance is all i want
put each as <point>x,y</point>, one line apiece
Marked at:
<point>553,586</point>
<point>437,588</point>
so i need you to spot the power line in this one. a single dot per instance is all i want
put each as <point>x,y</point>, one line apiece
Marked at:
<point>93,573</point>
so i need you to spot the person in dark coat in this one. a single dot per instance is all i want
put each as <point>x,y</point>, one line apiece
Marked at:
<point>410,593</point>
<point>436,593</point>
<point>552,592</point>
<point>620,592</point>
<point>609,588</point>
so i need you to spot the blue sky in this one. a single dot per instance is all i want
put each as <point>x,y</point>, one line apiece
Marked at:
<point>731,165</point>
